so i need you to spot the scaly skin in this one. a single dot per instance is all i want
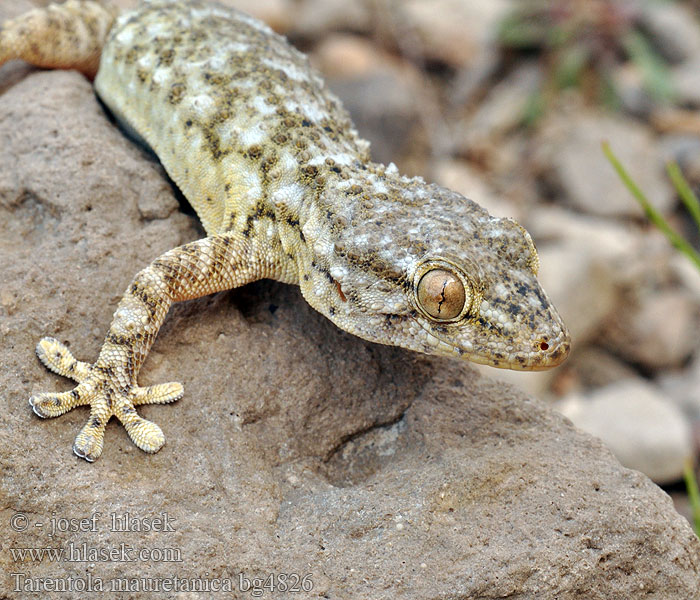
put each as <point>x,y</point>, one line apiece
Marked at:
<point>286,190</point>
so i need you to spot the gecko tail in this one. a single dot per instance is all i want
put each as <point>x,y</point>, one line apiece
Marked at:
<point>60,36</point>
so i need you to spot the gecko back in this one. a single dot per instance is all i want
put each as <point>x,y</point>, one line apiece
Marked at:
<point>234,113</point>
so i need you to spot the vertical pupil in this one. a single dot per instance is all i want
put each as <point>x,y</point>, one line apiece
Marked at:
<point>441,294</point>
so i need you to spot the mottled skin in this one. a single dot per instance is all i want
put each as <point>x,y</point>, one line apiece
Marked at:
<point>286,190</point>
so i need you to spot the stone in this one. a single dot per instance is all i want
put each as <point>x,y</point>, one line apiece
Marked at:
<point>583,261</point>
<point>500,112</point>
<point>343,55</point>
<point>471,80</point>
<point>656,329</point>
<point>686,273</point>
<point>592,294</point>
<point>596,367</point>
<point>643,429</point>
<point>315,18</point>
<point>570,147</point>
<point>385,96</point>
<point>686,82</point>
<point>459,176</point>
<point>278,14</point>
<point>297,448</point>
<point>451,31</point>
<point>629,85</point>
<point>683,387</point>
<point>610,278</point>
<point>683,148</point>
<point>673,28</point>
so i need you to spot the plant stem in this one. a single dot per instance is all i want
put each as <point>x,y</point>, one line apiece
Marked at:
<point>687,195</point>
<point>654,216</point>
<point>691,484</point>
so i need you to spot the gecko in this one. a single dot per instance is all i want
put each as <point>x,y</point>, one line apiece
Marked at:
<point>285,189</point>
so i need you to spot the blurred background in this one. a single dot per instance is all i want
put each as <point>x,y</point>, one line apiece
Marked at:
<point>507,102</point>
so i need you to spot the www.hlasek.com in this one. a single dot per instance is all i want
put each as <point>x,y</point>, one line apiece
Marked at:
<point>72,552</point>
<point>255,586</point>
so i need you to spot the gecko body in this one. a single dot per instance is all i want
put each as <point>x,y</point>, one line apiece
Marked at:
<point>285,189</point>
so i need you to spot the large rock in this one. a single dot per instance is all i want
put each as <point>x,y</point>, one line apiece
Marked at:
<point>297,448</point>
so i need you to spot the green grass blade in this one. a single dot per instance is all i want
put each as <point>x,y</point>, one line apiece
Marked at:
<point>687,195</point>
<point>691,485</point>
<point>654,216</point>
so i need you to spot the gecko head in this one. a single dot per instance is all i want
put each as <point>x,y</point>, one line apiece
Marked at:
<point>489,312</point>
<point>430,270</point>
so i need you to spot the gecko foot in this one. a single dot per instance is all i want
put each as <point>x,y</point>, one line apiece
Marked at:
<point>101,387</point>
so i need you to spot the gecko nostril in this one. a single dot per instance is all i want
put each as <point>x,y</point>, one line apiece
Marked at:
<point>544,346</point>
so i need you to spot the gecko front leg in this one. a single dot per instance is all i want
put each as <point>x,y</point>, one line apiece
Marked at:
<point>109,385</point>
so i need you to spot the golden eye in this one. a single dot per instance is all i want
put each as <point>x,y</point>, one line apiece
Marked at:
<point>441,294</point>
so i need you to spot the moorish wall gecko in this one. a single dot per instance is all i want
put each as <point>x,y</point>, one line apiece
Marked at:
<point>285,189</point>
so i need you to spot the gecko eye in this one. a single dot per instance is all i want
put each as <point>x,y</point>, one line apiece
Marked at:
<point>441,294</point>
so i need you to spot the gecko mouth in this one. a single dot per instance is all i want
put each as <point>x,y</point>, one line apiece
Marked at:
<point>545,352</point>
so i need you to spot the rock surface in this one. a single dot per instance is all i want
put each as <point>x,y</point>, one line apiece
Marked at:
<point>297,448</point>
